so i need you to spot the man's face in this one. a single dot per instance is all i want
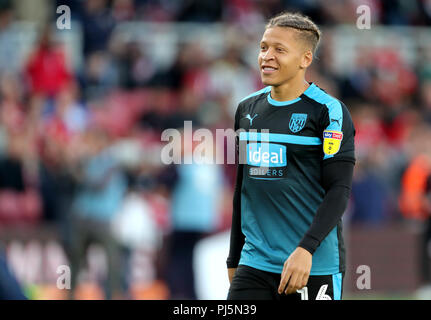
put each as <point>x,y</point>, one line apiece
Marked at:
<point>281,55</point>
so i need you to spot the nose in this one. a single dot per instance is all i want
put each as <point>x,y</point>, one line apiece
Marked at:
<point>267,55</point>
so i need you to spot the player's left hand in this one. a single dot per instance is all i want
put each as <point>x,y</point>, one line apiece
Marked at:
<point>296,271</point>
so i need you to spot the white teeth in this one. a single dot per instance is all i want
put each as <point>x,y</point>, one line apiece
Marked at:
<point>268,68</point>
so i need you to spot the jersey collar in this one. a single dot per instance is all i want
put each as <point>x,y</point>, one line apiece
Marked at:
<point>276,103</point>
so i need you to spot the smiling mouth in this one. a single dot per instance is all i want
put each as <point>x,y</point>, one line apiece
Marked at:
<point>268,70</point>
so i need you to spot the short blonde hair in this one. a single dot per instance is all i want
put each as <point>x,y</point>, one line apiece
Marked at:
<point>308,30</point>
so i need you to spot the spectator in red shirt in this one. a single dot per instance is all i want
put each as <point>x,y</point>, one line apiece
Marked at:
<point>46,69</point>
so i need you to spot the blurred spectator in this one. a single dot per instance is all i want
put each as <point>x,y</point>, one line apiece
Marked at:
<point>415,203</point>
<point>101,190</point>
<point>123,10</point>
<point>97,24</point>
<point>100,75</point>
<point>46,69</point>
<point>19,199</point>
<point>370,197</point>
<point>195,214</point>
<point>68,114</point>
<point>136,229</point>
<point>189,68</point>
<point>136,68</point>
<point>9,286</point>
<point>187,109</point>
<point>242,12</point>
<point>12,112</point>
<point>9,46</point>
<point>230,76</point>
<point>395,80</point>
<point>57,186</point>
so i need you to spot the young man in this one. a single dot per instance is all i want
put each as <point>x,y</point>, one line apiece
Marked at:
<point>294,183</point>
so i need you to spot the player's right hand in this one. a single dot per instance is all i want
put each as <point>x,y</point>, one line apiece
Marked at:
<point>296,271</point>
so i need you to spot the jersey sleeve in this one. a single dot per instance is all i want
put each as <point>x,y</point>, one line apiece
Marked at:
<point>338,133</point>
<point>337,181</point>
<point>237,238</point>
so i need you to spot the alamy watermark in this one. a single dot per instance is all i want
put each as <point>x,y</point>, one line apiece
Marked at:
<point>64,20</point>
<point>364,19</point>
<point>64,278</point>
<point>364,280</point>
<point>187,146</point>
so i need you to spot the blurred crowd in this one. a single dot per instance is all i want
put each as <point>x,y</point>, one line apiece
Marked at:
<point>387,12</point>
<point>80,147</point>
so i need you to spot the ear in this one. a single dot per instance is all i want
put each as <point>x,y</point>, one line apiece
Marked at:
<point>306,59</point>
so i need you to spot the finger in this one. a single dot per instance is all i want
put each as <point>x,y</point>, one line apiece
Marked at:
<point>305,279</point>
<point>283,275</point>
<point>291,285</point>
<point>302,281</point>
<point>284,280</point>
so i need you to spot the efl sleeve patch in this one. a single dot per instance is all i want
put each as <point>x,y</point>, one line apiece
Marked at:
<point>332,141</point>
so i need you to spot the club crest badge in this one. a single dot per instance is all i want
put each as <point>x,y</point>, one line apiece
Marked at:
<point>332,141</point>
<point>297,122</point>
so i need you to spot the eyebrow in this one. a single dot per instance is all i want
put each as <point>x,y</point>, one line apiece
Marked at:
<point>275,44</point>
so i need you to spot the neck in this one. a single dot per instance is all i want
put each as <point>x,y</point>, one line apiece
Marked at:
<point>289,91</point>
